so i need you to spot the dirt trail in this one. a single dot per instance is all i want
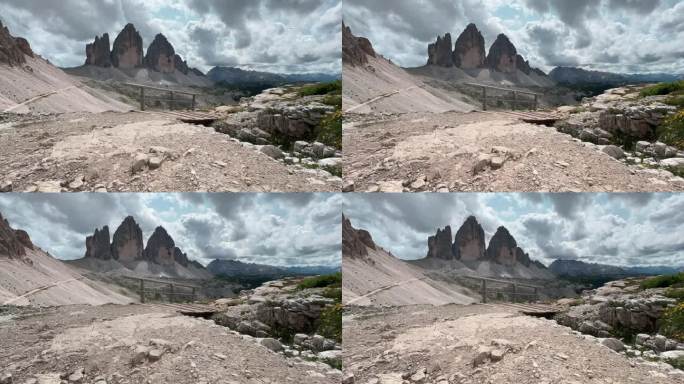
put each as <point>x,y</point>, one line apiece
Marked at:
<point>440,344</point>
<point>40,289</point>
<point>376,291</point>
<point>439,152</point>
<point>102,341</point>
<point>97,152</point>
<point>38,97</point>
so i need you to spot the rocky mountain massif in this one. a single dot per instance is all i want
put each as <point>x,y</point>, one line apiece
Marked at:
<point>355,49</point>
<point>469,53</point>
<point>13,49</point>
<point>577,268</point>
<point>160,256</point>
<point>579,76</point>
<point>468,246</point>
<point>127,53</point>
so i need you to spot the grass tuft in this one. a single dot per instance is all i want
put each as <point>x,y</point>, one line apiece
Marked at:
<point>321,89</point>
<point>662,89</point>
<point>663,281</point>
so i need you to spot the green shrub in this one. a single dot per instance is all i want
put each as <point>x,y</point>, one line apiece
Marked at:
<point>663,281</point>
<point>675,293</point>
<point>330,322</point>
<point>672,322</point>
<point>334,280</point>
<point>321,88</point>
<point>662,89</point>
<point>329,131</point>
<point>672,130</point>
<point>333,293</point>
<point>334,100</point>
<point>677,101</point>
<point>677,363</point>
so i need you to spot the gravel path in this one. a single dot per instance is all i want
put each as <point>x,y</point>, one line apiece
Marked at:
<point>441,344</point>
<point>439,152</point>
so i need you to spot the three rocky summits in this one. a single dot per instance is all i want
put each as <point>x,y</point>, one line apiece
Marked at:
<point>126,246</point>
<point>468,245</point>
<point>127,53</point>
<point>469,53</point>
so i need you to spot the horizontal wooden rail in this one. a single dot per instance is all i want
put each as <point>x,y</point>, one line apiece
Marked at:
<point>515,101</point>
<point>162,89</point>
<point>504,89</point>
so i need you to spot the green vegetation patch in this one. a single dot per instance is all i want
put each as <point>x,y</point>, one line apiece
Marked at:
<point>329,132</point>
<point>334,280</point>
<point>672,322</point>
<point>664,281</point>
<point>330,322</point>
<point>672,130</point>
<point>675,293</point>
<point>662,89</point>
<point>321,89</point>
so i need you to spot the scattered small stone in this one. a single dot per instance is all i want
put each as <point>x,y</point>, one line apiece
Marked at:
<point>219,356</point>
<point>6,186</point>
<point>155,354</point>
<point>614,344</point>
<point>6,378</point>
<point>76,376</point>
<point>155,162</point>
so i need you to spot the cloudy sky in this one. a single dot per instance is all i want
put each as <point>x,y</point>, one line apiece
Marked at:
<point>617,229</point>
<point>613,35</point>
<point>277,229</point>
<point>293,36</point>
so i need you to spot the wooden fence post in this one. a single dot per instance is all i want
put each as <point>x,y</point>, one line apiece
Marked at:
<point>171,296</point>
<point>484,98</point>
<point>515,100</point>
<point>142,98</point>
<point>194,298</point>
<point>171,102</point>
<point>193,102</point>
<point>142,290</point>
<point>536,294</point>
<point>515,293</point>
<point>484,291</point>
<point>535,101</point>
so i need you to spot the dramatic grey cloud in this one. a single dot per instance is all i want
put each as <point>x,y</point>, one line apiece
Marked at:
<point>613,228</point>
<point>612,35</point>
<point>275,229</point>
<point>294,36</point>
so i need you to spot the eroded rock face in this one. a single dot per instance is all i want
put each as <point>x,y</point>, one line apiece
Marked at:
<point>469,51</point>
<point>180,257</point>
<point>355,241</point>
<point>355,49</point>
<point>160,248</point>
<point>502,247</point>
<point>295,122</point>
<point>439,245</point>
<point>127,51</point>
<point>24,238</point>
<point>24,46</point>
<point>127,242</point>
<point>11,52</point>
<point>10,246</point>
<point>97,245</point>
<point>523,258</point>
<point>161,56</point>
<point>181,65</point>
<point>469,243</point>
<point>98,52</point>
<point>439,52</point>
<point>523,65</point>
<point>502,55</point>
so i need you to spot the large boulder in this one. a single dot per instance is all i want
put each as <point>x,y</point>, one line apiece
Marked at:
<point>439,52</point>
<point>160,248</point>
<point>97,245</point>
<point>98,52</point>
<point>439,245</point>
<point>127,242</point>
<point>295,122</point>
<point>469,243</point>
<point>127,51</point>
<point>469,51</point>
<point>502,55</point>
<point>502,247</point>
<point>160,57</point>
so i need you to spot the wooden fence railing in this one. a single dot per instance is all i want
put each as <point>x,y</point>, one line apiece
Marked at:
<point>167,95</point>
<point>501,290</point>
<point>164,290</point>
<point>499,95</point>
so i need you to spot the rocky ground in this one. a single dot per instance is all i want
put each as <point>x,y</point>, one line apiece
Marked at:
<point>626,316</point>
<point>481,151</point>
<point>284,319</point>
<point>138,152</point>
<point>480,344</point>
<point>137,344</point>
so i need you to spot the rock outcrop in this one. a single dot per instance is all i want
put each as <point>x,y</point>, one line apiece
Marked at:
<point>439,245</point>
<point>161,57</point>
<point>523,65</point>
<point>24,238</point>
<point>160,248</point>
<point>439,53</point>
<point>127,51</point>
<point>12,51</point>
<point>127,242</point>
<point>98,52</point>
<point>355,50</point>
<point>294,122</point>
<point>181,65</point>
<point>355,241</point>
<point>469,244</point>
<point>502,247</point>
<point>502,55</point>
<point>469,51</point>
<point>98,246</point>
<point>180,257</point>
<point>24,46</point>
<point>10,246</point>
